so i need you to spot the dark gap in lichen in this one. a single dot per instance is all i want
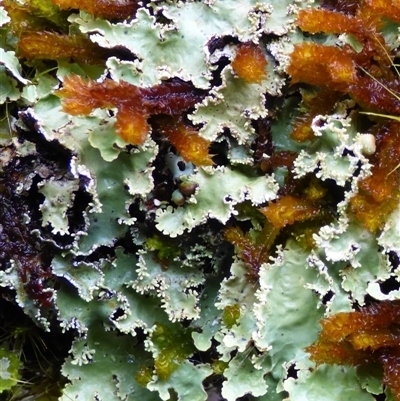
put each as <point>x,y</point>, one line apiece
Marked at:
<point>118,313</point>
<point>41,353</point>
<point>379,397</point>
<point>391,284</point>
<point>218,43</point>
<point>292,371</point>
<point>394,260</point>
<point>101,252</point>
<point>327,297</point>
<point>220,152</point>
<point>75,215</point>
<point>31,255</point>
<point>262,144</point>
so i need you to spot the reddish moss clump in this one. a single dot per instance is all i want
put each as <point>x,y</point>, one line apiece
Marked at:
<point>289,209</point>
<point>190,145</point>
<point>116,9</point>
<point>366,76</point>
<point>35,15</point>
<point>55,46</point>
<point>373,85</point>
<point>253,247</point>
<point>135,105</point>
<point>18,245</point>
<point>317,64</point>
<point>250,63</point>
<point>318,103</point>
<point>283,158</point>
<point>386,8</point>
<point>379,96</point>
<point>321,20</point>
<point>379,193</point>
<point>370,335</point>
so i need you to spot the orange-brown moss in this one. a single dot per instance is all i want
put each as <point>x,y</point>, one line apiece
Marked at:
<point>316,103</point>
<point>319,20</point>
<point>22,20</point>
<point>321,65</point>
<point>374,339</point>
<point>385,8</point>
<point>289,209</point>
<point>377,95</point>
<point>110,9</point>
<point>369,335</point>
<point>364,24</point>
<point>326,351</point>
<point>253,247</point>
<point>379,194</point>
<point>278,159</point>
<point>372,214</point>
<point>372,83</point>
<point>390,360</point>
<point>35,15</point>
<point>384,181</point>
<point>54,46</point>
<point>373,60</point>
<point>250,63</point>
<point>135,105</point>
<point>187,141</point>
<point>378,317</point>
<point>80,96</point>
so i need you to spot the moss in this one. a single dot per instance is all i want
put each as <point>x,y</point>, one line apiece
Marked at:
<point>174,345</point>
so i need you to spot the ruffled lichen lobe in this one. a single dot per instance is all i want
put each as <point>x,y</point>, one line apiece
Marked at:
<point>369,78</point>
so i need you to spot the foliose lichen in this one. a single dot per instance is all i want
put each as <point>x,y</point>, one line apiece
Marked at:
<point>195,195</point>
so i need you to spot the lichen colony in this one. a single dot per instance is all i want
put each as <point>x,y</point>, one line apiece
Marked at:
<point>199,200</point>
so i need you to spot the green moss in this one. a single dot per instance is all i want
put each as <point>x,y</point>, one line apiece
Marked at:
<point>174,344</point>
<point>231,315</point>
<point>219,367</point>
<point>144,375</point>
<point>9,367</point>
<point>164,247</point>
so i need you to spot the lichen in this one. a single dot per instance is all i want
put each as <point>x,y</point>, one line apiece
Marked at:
<point>189,188</point>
